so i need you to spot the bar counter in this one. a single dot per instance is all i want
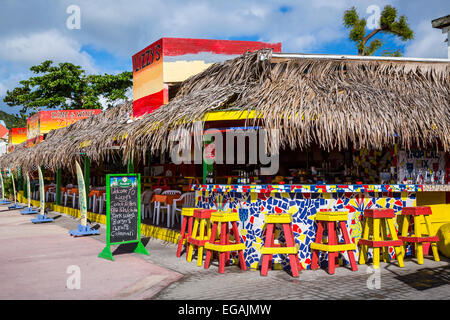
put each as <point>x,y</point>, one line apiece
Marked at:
<point>303,202</point>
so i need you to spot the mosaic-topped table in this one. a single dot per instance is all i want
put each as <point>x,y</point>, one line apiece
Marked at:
<point>303,202</point>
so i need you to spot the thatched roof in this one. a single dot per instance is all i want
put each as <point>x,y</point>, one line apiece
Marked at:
<point>63,146</point>
<point>333,102</point>
<point>336,103</point>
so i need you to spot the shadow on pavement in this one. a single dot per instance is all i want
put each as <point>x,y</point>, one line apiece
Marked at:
<point>426,278</point>
<point>129,247</point>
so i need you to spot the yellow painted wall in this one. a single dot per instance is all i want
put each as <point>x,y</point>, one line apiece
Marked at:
<point>178,71</point>
<point>148,81</point>
<point>440,210</point>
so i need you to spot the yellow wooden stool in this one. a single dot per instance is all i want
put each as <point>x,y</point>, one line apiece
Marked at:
<point>201,232</point>
<point>270,248</point>
<point>330,221</point>
<point>224,245</point>
<point>410,215</point>
<point>373,217</point>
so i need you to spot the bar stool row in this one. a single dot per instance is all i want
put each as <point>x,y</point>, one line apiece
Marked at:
<point>200,230</point>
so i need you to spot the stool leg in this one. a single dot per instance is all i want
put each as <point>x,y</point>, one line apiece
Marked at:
<point>268,243</point>
<point>376,237</point>
<point>433,244</point>
<point>315,253</point>
<point>222,255</point>
<point>238,240</point>
<point>208,229</point>
<point>384,236</point>
<point>418,233</point>
<point>227,241</point>
<point>182,236</point>
<point>405,225</point>
<point>289,236</point>
<point>398,250</point>
<point>363,248</point>
<point>351,255</point>
<point>331,241</point>
<point>212,239</point>
<point>189,233</point>
<point>194,234</point>
<point>201,237</point>
<point>272,243</point>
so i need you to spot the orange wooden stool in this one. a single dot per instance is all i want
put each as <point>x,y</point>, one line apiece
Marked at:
<point>373,217</point>
<point>200,235</point>
<point>270,248</point>
<point>411,215</point>
<point>188,214</point>
<point>332,220</point>
<point>224,245</point>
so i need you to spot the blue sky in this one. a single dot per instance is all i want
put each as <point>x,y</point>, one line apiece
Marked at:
<point>112,31</point>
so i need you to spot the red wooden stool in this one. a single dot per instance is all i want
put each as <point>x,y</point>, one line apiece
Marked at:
<point>187,214</point>
<point>224,246</point>
<point>332,220</point>
<point>373,217</point>
<point>201,231</point>
<point>411,215</point>
<point>270,248</point>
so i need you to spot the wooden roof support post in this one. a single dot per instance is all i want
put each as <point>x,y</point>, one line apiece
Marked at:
<point>58,187</point>
<point>87,178</point>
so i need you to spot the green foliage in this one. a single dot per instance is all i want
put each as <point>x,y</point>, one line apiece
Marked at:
<point>66,86</point>
<point>387,53</point>
<point>7,182</point>
<point>13,121</point>
<point>388,24</point>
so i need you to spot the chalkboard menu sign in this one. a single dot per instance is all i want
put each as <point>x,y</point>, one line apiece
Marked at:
<point>123,212</point>
<point>123,209</point>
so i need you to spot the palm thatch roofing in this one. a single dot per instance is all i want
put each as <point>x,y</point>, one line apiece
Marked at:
<point>336,103</point>
<point>333,102</point>
<point>62,146</point>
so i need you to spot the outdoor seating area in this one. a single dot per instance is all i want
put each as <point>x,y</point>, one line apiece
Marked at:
<point>159,205</point>
<point>207,234</point>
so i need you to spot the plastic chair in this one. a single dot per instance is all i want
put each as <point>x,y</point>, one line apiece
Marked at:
<point>187,200</point>
<point>99,203</point>
<point>146,199</point>
<point>157,208</point>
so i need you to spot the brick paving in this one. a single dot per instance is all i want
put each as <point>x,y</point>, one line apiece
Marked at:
<point>428,281</point>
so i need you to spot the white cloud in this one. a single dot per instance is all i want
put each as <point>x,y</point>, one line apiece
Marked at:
<point>34,48</point>
<point>33,31</point>
<point>428,42</point>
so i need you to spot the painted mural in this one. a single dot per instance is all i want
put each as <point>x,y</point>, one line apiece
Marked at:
<point>303,207</point>
<point>16,136</point>
<point>45,121</point>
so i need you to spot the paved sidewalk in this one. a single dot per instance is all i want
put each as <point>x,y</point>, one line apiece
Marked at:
<point>35,262</point>
<point>427,281</point>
